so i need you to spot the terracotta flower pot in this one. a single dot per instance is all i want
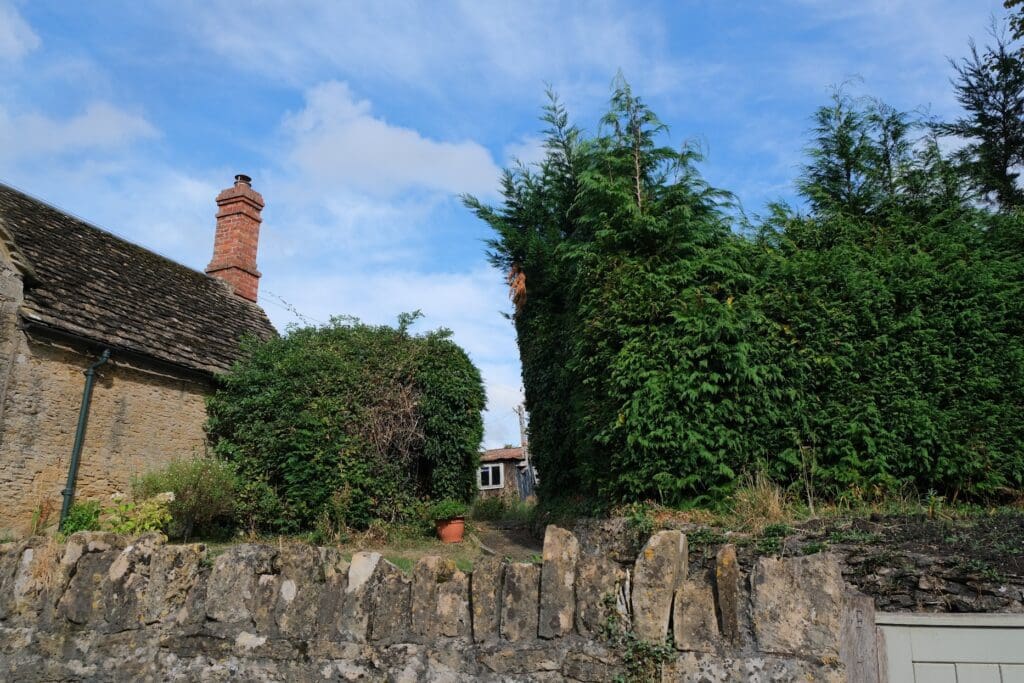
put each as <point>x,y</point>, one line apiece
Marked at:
<point>450,530</point>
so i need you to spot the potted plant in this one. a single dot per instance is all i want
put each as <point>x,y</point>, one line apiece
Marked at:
<point>450,519</point>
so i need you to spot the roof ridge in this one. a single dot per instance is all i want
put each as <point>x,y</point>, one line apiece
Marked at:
<point>95,284</point>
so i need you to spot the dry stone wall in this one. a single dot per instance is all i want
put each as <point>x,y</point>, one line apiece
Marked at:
<point>106,608</point>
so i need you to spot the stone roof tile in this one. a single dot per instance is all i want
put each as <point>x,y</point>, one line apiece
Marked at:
<point>83,280</point>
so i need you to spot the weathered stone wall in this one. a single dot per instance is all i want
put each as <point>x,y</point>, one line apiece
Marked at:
<point>897,579</point>
<point>139,420</point>
<point>102,608</point>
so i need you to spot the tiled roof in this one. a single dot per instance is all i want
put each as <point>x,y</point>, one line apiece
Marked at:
<point>496,454</point>
<point>84,281</point>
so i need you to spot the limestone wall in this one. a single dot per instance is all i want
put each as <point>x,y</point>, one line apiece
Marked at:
<point>139,420</point>
<point>102,608</point>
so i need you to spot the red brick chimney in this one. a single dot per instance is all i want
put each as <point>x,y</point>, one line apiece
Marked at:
<point>238,235</point>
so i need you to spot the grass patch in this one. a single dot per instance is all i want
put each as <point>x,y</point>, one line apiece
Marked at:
<point>758,504</point>
<point>497,509</point>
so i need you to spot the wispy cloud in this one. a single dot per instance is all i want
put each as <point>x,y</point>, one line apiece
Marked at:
<point>100,126</point>
<point>337,141</point>
<point>16,37</point>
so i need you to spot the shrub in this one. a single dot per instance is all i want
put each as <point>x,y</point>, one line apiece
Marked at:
<point>336,426</point>
<point>448,509</point>
<point>205,494</point>
<point>83,516</point>
<point>489,509</point>
<point>133,518</point>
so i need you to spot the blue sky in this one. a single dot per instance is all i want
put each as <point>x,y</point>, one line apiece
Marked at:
<point>361,122</point>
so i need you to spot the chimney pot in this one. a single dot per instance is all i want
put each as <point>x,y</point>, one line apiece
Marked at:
<point>237,237</point>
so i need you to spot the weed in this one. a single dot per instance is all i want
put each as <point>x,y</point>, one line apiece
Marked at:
<point>815,547</point>
<point>982,569</point>
<point>643,660</point>
<point>639,522</point>
<point>41,517</point>
<point>704,538</point>
<point>772,537</point>
<point>45,568</point>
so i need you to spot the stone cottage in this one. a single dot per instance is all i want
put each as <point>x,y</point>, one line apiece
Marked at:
<point>72,296</point>
<point>505,473</point>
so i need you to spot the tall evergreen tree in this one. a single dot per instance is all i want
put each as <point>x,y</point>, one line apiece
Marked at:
<point>990,87</point>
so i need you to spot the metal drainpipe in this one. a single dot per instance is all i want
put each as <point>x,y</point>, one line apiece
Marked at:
<point>76,450</point>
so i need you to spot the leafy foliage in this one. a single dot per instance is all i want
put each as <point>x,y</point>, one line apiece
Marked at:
<point>131,518</point>
<point>448,509</point>
<point>205,493</point>
<point>83,516</point>
<point>871,344</point>
<point>346,423</point>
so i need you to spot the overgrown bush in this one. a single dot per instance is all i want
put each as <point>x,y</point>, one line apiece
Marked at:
<point>346,423</point>
<point>205,495</point>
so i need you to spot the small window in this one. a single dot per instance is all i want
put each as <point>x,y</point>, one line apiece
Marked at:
<point>490,477</point>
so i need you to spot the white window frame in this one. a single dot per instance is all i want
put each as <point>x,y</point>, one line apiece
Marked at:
<point>492,467</point>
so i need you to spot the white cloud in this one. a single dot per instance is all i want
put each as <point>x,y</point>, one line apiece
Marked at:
<point>338,141</point>
<point>527,150</point>
<point>100,126</point>
<point>16,37</point>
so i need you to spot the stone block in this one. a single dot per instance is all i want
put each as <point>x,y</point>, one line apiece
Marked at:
<point>440,599</point>
<point>127,582</point>
<point>390,622</point>
<point>659,568</point>
<point>797,605</point>
<point>694,666</point>
<point>453,606</point>
<point>727,592</point>
<point>600,591</point>
<point>360,594</point>
<point>173,573</point>
<point>485,583</point>
<point>519,602</point>
<point>694,625</point>
<point>82,602</point>
<point>557,578</point>
<point>231,591</point>
<point>299,590</point>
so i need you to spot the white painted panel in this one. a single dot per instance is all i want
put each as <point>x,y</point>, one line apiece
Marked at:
<point>1012,673</point>
<point>898,661</point>
<point>968,645</point>
<point>922,648</point>
<point>977,673</point>
<point>934,673</point>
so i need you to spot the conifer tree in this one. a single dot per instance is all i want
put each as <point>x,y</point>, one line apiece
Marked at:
<point>990,87</point>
